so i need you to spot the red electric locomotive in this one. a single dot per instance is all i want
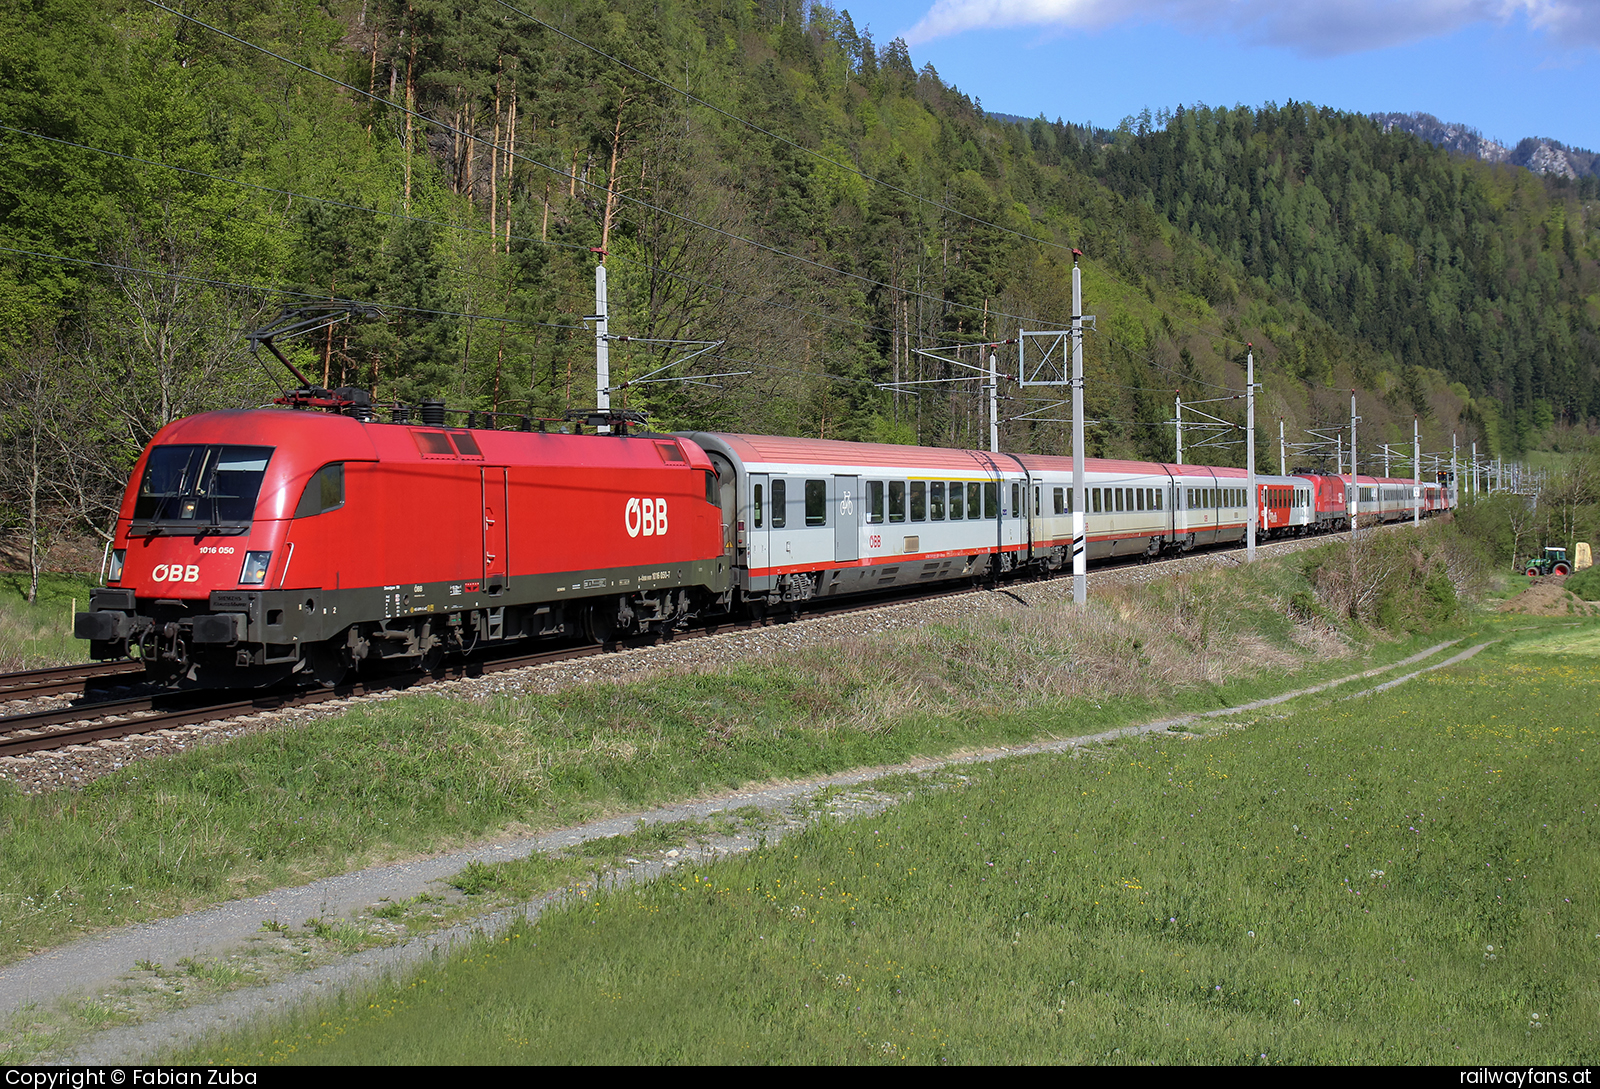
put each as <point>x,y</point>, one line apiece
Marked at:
<point>256,545</point>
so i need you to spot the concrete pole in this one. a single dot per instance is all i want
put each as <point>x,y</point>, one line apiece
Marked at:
<point>1283,461</point>
<point>1177,401</point>
<point>994,403</point>
<point>1250,452</point>
<point>1080,569</point>
<point>1455,484</point>
<point>1355,487</point>
<point>1416,476</point>
<point>602,344</point>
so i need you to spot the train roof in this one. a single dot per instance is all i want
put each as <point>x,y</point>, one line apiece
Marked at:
<point>323,437</point>
<point>778,450</point>
<point>769,451</point>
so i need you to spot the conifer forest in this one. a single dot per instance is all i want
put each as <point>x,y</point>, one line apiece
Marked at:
<point>771,188</point>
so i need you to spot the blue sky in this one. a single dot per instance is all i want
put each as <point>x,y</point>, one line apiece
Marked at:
<point>1509,68</point>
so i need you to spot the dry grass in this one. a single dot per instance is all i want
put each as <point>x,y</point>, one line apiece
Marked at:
<point>1191,631</point>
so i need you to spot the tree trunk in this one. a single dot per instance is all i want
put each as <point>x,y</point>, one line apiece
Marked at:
<point>611,178</point>
<point>411,106</point>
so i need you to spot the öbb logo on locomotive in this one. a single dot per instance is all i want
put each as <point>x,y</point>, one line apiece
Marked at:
<point>505,536</point>
<point>647,517</point>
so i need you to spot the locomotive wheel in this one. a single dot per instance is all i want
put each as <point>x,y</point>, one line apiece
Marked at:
<point>326,666</point>
<point>600,622</point>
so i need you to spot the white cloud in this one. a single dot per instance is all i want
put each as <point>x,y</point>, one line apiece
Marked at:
<point>1313,27</point>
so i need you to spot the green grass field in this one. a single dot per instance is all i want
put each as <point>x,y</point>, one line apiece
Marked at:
<point>1406,878</point>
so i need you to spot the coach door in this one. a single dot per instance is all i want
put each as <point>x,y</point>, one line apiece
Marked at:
<point>757,516</point>
<point>847,520</point>
<point>495,529</point>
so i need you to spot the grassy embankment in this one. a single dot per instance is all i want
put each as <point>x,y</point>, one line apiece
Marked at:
<point>39,635</point>
<point>1406,878</point>
<point>386,779</point>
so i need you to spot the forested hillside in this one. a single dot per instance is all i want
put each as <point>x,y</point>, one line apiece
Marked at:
<point>757,174</point>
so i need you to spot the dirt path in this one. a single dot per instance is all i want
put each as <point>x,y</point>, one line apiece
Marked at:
<point>97,966</point>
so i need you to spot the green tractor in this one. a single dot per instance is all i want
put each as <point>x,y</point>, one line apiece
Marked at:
<point>1553,562</point>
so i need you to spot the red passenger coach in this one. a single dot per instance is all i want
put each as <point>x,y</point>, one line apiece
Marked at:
<point>256,544</point>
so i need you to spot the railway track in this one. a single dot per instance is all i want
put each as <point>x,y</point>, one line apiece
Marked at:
<point>89,722</point>
<point>61,680</point>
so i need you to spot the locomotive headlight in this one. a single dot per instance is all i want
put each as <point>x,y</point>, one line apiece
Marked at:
<point>255,568</point>
<point>114,574</point>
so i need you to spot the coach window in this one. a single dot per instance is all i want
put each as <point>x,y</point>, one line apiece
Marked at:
<point>974,500</point>
<point>936,501</point>
<point>1138,496</point>
<point>1059,504</point>
<point>816,502</point>
<point>919,500</point>
<point>1094,499</point>
<point>874,501</point>
<point>957,508</point>
<point>897,501</point>
<point>780,499</point>
<point>755,505</point>
<point>1117,495</point>
<point>991,499</point>
<point>324,492</point>
<point>1016,500</point>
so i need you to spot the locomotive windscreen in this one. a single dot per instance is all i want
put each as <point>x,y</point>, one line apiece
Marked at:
<point>209,485</point>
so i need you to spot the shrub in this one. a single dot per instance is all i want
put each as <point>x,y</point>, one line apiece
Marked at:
<point>1586,584</point>
<point>1397,581</point>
